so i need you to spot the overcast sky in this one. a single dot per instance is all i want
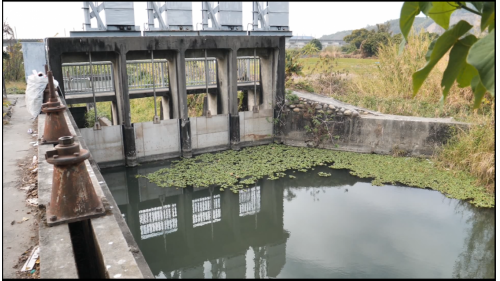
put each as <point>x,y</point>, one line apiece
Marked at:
<point>46,19</point>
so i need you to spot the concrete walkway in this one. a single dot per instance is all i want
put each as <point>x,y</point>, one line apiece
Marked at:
<point>16,237</point>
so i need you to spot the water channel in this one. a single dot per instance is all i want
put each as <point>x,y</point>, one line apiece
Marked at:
<point>308,227</point>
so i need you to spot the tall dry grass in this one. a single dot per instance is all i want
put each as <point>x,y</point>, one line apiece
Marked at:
<point>390,91</point>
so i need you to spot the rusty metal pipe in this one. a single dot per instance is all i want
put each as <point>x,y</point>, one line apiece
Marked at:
<point>55,123</point>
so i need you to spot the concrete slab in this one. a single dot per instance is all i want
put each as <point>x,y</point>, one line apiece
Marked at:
<point>106,145</point>
<point>158,139</point>
<point>56,250</point>
<point>16,146</point>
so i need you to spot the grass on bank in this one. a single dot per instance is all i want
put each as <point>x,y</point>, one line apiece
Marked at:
<point>15,87</point>
<point>388,89</point>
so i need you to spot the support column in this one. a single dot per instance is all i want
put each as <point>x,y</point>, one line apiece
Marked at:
<point>55,65</point>
<point>234,118</point>
<point>165,108</point>
<point>250,99</point>
<point>179,96</point>
<point>280,88</point>
<point>212,103</point>
<point>114,113</point>
<point>268,79</point>
<point>123,105</point>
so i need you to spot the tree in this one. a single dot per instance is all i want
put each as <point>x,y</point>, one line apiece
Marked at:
<point>357,36</point>
<point>472,59</point>
<point>309,49</point>
<point>317,43</point>
<point>369,47</point>
<point>13,65</point>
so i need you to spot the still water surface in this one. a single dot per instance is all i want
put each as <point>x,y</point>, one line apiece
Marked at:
<point>338,227</point>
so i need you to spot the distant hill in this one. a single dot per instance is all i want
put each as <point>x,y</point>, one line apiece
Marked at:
<point>419,23</point>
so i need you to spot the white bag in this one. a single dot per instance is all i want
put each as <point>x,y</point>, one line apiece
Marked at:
<point>34,92</point>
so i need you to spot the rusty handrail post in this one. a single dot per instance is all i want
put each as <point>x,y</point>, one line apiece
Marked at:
<point>73,196</point>
<point>55,123</point>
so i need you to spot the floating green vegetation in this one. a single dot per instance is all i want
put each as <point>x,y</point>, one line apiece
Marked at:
<point>239,169</point>
<point>321,174</point>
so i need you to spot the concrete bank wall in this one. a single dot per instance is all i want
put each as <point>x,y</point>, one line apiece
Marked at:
<point>348,128</point>
<point>116,251</point>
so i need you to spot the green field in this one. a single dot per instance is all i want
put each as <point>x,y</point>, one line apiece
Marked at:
<point>354,66</point>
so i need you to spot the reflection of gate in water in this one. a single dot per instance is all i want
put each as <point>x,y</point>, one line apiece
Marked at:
<point>158,220</point>
<point>206,210</point>
<point>249,201</point>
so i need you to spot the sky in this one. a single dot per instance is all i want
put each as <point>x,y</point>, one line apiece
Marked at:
<point>46,19</point>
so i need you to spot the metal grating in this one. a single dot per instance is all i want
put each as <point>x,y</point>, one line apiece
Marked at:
<point>206,210</point>
<point>249,201</point>
<point>158,220</point>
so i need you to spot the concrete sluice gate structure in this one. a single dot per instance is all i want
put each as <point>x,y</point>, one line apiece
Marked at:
<point>104,246</point>
<point>177,134</point>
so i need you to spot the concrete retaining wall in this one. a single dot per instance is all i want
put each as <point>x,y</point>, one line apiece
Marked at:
<point>360,130</point>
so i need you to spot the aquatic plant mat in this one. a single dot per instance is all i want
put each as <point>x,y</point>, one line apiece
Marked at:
<point>236,170</point>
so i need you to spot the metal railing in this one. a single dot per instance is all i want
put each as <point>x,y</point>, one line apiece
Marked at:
<point>247,71</point>
<point>76,76</point>
<point>158,220</point>
<point>206,210</point>
<point>140,74</point>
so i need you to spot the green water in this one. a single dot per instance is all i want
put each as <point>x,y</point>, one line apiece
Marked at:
<point>308,227</point>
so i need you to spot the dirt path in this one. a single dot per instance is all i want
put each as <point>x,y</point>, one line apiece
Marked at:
<point>19,221</point>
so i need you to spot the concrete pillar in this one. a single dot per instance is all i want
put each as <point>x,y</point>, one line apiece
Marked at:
<point>123,106</point>
<point>177,78</point>
<point>212,103</point>
<point>55,65</point>
<point>234,118</point>
<point>114,113</point>
<point>280,87</point>
<point>165,108</point>
<point>268,67</point>
<point>223,81</point>
<point>251,99</point>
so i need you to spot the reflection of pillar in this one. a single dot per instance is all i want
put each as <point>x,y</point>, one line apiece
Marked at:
<point>276,259</point>
<point>185,218</point>
<point>230,213</point>
<point>193,272</point>
<point>235,267</point>
<point>133,220</point>
<point>217,268</point>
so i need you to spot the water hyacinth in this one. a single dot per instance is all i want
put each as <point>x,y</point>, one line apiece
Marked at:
<point>239,169</point>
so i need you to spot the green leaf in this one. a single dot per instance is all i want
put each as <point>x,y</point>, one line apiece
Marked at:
<point>456,63</point>
<point>429,51</point>
<point>441,12</point>
<point>425,7</point>
<point>488,16</point>
<point>482,57</point>
<point>441,46</point>
<point>479,91</point>
<point>478,6</point>
<point>465,75</point>
<point>408,13</point>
